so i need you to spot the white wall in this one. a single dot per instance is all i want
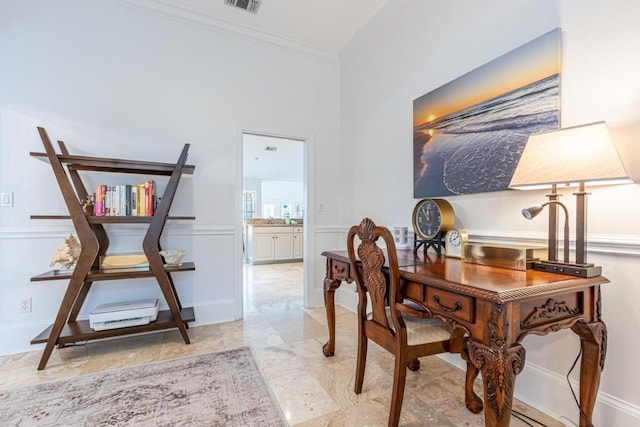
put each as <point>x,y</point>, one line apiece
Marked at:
<point>113,80</point>
<point>429,43</point>
<point>278,192</point>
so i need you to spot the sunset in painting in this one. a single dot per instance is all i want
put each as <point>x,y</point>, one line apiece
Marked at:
<point>469,133</point>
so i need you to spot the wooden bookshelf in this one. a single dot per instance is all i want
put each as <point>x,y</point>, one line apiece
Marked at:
<point>67,328</point>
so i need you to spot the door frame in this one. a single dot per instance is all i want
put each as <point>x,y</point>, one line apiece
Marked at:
<point>308,139</point>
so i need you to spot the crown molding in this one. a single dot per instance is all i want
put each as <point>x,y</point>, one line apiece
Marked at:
<point>211,23</point>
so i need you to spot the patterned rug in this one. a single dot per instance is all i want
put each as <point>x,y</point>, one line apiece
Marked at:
<point>215,389</point>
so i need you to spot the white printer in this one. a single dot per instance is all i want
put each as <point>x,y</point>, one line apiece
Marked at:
<point>124,314</point>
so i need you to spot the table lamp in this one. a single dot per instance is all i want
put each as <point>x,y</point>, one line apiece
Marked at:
<point>575,156</point>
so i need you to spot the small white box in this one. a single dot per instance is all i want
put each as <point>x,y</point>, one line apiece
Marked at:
<point>123,314</point>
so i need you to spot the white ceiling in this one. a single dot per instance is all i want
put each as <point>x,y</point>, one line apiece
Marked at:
<point>325,25</point>
<point>284,164</point>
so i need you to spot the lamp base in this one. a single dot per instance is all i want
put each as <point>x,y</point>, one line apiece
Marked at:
<point>580,270</point>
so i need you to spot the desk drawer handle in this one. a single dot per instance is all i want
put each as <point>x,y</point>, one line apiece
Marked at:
<point>457,306</point>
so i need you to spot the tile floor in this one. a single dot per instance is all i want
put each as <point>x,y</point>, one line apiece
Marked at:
<point>286,339</point>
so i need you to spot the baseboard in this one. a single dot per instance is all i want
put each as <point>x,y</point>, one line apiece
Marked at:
<point>12,337</point>
<point>549,392</point>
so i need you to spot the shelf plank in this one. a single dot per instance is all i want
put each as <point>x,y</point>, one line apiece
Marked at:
<point>96,275</point>
<point>81,331</point>
<point>116,219</point>
<point>101,164</point>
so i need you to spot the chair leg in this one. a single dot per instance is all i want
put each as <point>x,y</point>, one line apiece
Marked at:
<point>471,399</point>
<point>414,364</point>
<point>361,361</point>
<point>399,378</point>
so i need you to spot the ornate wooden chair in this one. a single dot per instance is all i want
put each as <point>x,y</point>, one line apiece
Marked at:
<point>404,328</point>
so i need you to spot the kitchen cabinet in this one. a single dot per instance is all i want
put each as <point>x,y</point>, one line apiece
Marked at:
<point>273,243</point>
<point>297,243</point>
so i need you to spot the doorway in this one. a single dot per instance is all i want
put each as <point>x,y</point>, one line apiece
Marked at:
<point>275,192</point>
<point>272,177</point>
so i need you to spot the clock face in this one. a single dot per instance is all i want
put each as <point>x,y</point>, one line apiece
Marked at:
<point>454,241</point>
<point>431,216</point>
<point>427,218</point>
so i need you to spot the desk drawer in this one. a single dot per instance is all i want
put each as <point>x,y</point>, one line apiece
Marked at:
<point>454,305</point>
<point>339,269</point>
<point>540,312</point>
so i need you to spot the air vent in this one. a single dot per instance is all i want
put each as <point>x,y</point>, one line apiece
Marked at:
<point>271,148</point>
<point>248,5</point>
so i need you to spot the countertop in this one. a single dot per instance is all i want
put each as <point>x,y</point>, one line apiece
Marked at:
<point>275,225</point>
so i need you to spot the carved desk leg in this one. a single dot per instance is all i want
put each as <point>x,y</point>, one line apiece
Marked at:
<point>593,339</point>
<point>499,364</point>
<point>330,286</point>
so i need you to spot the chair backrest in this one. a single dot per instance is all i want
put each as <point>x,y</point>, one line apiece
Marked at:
<point>370,277</point>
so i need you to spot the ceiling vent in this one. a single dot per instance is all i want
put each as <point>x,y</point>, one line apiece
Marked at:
<point>248,5</point>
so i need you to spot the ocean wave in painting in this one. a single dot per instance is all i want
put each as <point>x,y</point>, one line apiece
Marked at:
<point>477,149</point>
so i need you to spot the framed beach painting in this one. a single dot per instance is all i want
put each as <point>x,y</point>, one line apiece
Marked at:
<point>468,135</point>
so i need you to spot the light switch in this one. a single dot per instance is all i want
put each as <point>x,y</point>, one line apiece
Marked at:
<point>6,199</point>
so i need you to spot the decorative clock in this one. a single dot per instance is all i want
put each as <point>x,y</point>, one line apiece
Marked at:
<point>454,242</point>
<point>431,219</point>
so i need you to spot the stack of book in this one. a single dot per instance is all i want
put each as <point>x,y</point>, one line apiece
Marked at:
<point>125,200</point>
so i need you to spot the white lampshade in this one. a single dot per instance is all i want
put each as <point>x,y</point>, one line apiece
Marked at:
<point>568,156</point>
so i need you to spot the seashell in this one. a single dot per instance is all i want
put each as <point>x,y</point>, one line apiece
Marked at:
<point>67,256</point>
<point>173,256</point>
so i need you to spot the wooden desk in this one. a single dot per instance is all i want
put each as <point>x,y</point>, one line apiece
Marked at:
<point>497,308</point>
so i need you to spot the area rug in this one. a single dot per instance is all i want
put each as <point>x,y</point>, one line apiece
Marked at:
<point>215,389</point>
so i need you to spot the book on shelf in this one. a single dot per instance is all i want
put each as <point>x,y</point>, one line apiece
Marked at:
<point>151,195</point>
<point>125,199</point>
<point>115,200</point>
<point>125,260</point>
<point>108,201</point>
<point>134,200</point>
<point>142,200</point>
<point>99,201</point>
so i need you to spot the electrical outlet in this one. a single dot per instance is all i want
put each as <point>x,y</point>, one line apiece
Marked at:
<point>25,305</point>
